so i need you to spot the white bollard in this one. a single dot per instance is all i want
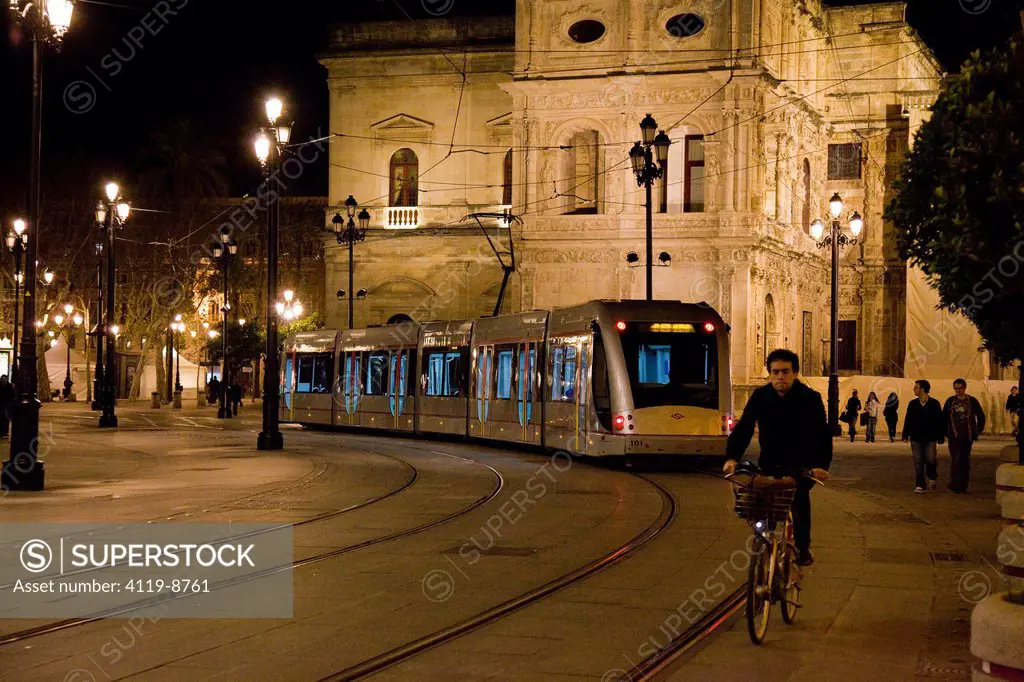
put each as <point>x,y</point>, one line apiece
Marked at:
<point>1009,479</point>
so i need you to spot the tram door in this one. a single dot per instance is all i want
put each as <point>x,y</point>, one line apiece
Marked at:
<point>398,383</point>
<point>484,363</point>
<point>350,393</point>
<point>526,373</point>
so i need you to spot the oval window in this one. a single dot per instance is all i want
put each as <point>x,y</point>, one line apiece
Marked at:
<point>685,25</point>
<point>586,31</point>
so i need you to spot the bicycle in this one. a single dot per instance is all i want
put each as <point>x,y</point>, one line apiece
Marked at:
<point>773,575</point>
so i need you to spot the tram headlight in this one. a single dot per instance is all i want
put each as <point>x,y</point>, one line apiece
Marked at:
<point>709,326</point>
<point>620,325</point>
<point>620,422</point>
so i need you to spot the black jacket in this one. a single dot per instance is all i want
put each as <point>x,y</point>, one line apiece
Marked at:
<point>924,423</point>
<point>793,431</point>
<point>852,407</point>
<point>1013,403</point>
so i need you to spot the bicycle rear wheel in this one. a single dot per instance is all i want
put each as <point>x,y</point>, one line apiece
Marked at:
<point>759,590</point>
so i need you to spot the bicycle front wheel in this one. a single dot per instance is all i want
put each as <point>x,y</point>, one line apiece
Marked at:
<point>790,579</point>
<point>759,590</point>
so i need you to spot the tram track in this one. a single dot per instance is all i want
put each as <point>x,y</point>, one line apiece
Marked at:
<point>66,624</point>
<point>490,616</point>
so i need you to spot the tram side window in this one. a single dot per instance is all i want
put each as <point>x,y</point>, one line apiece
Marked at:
<point>315,372</point>
<point>377,373</point>
<point>563,373</point>
<point>443,373</point>
<point>504,378</point>
<point>286,385</point>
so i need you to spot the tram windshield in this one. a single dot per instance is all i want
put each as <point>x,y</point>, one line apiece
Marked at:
<point>671,364</point>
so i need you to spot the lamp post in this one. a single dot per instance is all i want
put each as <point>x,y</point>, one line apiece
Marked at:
<point>177,328</point>
<point>116,213</point>
<point>45,23</point>
<point>222,252</point>
<point>69,318</point>
<point>97,331</point>
<point>17,241</point>
<point>646,171</point>
<point>269,149</point>
<point>835,239</point>
<point>350,235</point>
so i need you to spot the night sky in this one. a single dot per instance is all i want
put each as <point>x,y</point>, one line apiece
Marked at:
<point>213,63</point>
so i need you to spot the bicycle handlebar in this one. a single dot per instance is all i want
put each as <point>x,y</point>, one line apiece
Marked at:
<point>749,468</point>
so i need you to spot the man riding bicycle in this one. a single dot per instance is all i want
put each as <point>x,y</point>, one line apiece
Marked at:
<point>794,436</point>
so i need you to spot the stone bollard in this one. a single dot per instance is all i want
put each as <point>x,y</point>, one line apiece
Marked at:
<point>200,399</point>
<point>156,400</point>
<point>1009,454</point>
<point>1009,479</point>
<point>177,400</point>
<point>998,621</point>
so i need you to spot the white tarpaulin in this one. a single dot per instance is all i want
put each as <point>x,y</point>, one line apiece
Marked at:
<point>191,376</point>
<point>940,345</point>
<point>57,366</point>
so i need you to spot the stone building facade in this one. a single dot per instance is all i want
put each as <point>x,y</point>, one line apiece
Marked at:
<point>772,106</point>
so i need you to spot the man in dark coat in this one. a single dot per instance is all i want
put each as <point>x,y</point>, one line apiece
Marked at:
<point>852,411</point>
<point>964,421</point>
<point>793,433</point>
<point>923,427</point>
<point>235,396</point>
<point>7,397</point>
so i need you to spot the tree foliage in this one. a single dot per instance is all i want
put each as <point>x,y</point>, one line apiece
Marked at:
<point>959,207</point>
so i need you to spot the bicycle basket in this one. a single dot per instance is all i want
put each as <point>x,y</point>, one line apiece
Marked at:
<point>764,498</point>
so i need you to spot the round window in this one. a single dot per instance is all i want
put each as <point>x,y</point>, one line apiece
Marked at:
<point>685,25</point>
<point>586,31</point>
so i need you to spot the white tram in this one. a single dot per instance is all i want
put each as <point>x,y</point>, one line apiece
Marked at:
<point>602,378</point>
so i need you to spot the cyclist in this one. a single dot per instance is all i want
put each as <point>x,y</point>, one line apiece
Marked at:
<point>794,436</point>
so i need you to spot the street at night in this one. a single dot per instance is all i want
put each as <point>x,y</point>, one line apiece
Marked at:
<point>614,340</point>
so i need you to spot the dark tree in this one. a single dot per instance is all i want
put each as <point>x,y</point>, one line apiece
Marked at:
<point>959,208</point>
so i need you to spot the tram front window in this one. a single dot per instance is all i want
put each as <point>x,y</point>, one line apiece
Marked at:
<point>671,364</point>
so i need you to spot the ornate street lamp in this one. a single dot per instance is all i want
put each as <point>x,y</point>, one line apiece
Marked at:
<point>17,242</point>
<point>643,155</point>
<point>349,235</point>
<point>45,23</point>
<point>834,239</point>
<point>269,147</point>
<point>223,252</point>
<point>97,330</point>
<point>116,214</point>
<point>69,318</point>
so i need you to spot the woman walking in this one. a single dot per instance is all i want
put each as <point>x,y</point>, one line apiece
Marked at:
<point>872,408</point>
<point>891,412</point>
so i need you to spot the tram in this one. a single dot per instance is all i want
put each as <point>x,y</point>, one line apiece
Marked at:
<point>605,378</point>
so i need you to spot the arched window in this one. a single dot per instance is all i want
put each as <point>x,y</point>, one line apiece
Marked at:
<point>506,180</point>
<point>805,217</point>
<point>582,188</point>
<point>405,172</point>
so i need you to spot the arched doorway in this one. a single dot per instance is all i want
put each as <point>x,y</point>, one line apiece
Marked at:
<point>400,318</point>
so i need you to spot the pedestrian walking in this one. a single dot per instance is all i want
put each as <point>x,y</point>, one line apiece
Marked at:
<point>924,428</point>
<point>1013,407</point>
<point>891,412</point>
<point>213,389</point>
<point>872,409</point>
<point>7,396</point>
<point>235,396</point>
<point>964,421</point>
<point>853,406</point>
